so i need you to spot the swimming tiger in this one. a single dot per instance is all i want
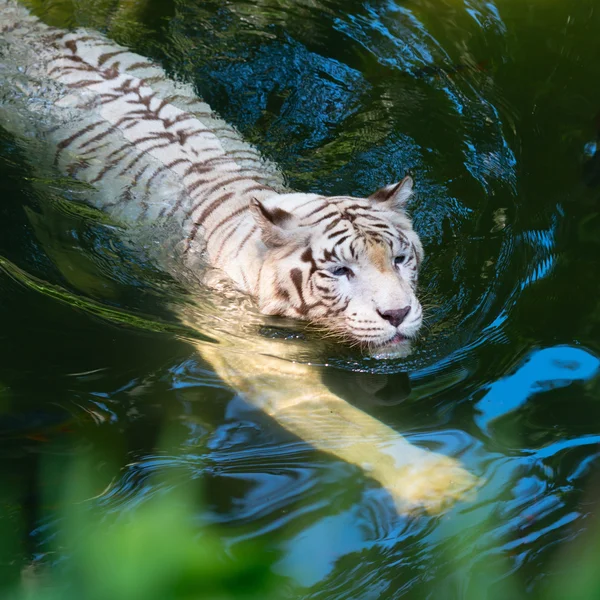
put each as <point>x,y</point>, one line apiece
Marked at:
<point>155,156</point>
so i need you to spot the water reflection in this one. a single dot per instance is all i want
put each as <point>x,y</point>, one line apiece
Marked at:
<point>591,168</point>
<point>346,97</point>
<point>544,370</point>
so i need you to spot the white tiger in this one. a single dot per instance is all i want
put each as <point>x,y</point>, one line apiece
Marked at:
<point>155,154</point>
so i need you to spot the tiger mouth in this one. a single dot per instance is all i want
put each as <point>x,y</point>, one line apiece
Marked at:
<point>396,340</point>
<point>398,346</point>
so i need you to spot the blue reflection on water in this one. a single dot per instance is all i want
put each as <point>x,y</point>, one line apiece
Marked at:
<point>305,94</point>
<point>324,542</point>
<point>546,369</point>
<point>486,15</point>
<point>399,40</point>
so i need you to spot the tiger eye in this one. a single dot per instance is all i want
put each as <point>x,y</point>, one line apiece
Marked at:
<point>342,272</point>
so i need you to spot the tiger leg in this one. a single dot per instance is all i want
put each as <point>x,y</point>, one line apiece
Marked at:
<point>294,395</point>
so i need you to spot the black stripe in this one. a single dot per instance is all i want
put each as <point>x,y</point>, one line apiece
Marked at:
<point>65,143</point>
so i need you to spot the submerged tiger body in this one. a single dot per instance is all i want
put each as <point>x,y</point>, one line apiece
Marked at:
<point>156,156</point>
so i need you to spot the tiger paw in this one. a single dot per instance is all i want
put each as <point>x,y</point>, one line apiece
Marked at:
<point>434,483</point>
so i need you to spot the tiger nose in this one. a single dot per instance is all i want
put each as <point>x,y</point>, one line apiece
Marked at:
<point>395,317</point>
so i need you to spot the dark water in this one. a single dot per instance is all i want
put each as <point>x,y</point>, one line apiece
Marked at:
<point>495,110</point>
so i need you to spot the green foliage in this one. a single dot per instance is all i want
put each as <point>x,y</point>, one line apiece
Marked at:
<point>156,550</point>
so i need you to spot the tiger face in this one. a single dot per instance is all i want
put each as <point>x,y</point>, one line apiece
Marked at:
<point>348,264</point>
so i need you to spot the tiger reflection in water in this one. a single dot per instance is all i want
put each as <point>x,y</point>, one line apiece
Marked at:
<point>157,155</point>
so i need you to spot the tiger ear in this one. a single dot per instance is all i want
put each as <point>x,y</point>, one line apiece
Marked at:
<point>277,225</point>
<point>394,195</point>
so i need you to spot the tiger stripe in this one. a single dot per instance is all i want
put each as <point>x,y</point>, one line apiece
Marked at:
<point>158,155</point>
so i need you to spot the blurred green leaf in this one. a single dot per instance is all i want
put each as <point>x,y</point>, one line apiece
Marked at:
<point>157,550</point>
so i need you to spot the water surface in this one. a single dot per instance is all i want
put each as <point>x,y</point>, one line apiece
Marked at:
<point>493,107</point>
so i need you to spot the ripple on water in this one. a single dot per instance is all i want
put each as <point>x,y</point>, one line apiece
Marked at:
<point>400,91</point>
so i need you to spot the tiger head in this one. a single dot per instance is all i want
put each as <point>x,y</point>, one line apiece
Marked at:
<point>348,264</point>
